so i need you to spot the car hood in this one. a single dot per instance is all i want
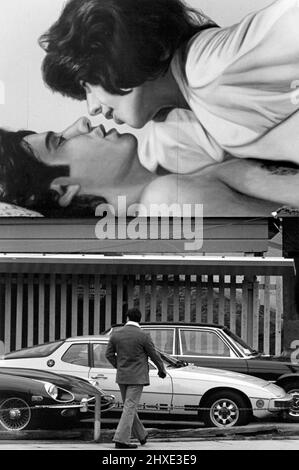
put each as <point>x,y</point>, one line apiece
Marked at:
<point>224,376</point>
<point>64,381</point>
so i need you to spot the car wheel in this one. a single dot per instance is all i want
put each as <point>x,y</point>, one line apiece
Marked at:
<point>225,409</point>
<point>15,414</point>
<point>293,389</point>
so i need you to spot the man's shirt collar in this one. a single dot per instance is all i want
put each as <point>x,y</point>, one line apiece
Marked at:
<point>133,323</point>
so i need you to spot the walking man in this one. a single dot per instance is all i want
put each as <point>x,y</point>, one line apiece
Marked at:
<point>128,351</point>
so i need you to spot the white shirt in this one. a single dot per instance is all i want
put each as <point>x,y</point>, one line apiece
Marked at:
<point>133,323</point>
<point>240,82</point>
<point>179,144</point>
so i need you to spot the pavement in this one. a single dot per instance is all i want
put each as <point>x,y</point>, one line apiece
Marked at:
<point>268,435</point>
<point>152,446</point>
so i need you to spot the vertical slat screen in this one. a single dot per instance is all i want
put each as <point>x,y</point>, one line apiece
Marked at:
<point>108,303</point>
<point>30,310</point>
<point>7,326</point>
<point>40,308</point>
<point>164,299</point>
<point>187,303</point>
<point>267,316</point>
<point>221,301</point>
<point>74,329</point>
<point>119,300</point>
<point>176,299</point>
<point>198,299</point>
<point>255,320</point>
<point>52,307</point>
<point>210,300</point>
<point>232,311</point>
<point>63,310</point>
<point>244,310</point>
<point>142,294</point>
<point>153,298</point>
<point>19,313</point>
<point>85,305</point>
<point>278,316</point>
<point>97,305</point>
<point>130,292</point>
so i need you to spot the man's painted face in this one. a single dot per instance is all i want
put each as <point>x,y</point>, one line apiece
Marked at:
<point>96,159</point>
<point>134,109</point>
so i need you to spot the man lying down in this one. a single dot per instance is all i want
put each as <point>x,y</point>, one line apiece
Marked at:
<point>70,173</point>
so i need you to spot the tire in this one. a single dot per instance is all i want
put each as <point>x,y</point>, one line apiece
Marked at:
<point>225,409</point>
<point>15,414</point>
<point>293,388</point>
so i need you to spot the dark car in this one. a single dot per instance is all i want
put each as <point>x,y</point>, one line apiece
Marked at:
<point>35,398</point>
<point>210,345</point>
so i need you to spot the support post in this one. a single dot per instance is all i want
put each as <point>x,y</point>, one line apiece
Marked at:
<point>291,283</point>
<point>97,418</point>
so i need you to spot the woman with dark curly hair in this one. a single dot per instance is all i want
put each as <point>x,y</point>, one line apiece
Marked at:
<point>135,59</point>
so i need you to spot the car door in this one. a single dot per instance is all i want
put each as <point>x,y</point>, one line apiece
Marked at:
<point>155,397</point>
<point>204,347</point>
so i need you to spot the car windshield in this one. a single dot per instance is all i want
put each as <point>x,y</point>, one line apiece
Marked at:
<point>245,348</point>
<point>43,350</point>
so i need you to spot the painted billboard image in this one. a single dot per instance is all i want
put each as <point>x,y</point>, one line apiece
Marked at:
<point>162,109</point>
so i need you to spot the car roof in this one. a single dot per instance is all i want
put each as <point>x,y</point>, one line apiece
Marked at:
<point>172,324</point>
<point>87,338</point>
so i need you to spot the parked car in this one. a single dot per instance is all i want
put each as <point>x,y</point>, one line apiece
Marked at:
<point>219,398</point>
<point>33,398</point>
<point>216,346</point>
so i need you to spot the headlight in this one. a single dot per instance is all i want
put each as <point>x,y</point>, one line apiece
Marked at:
<point>51,390</point>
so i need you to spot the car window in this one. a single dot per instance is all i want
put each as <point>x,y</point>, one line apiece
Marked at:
<point>202,343</point>
<point>99,358</point>
<point>163,339</point>
<point>42,350</point>
<point>77,354</point>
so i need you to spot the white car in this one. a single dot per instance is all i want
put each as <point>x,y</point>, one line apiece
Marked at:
<point>217,397</point>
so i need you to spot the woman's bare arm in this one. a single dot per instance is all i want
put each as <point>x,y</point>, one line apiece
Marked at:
<point>276,182</point>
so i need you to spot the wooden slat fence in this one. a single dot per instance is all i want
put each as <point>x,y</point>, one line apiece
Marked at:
<point>36,308</point>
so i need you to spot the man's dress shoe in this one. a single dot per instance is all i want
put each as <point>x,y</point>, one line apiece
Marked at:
<point>143,441</point>
<point>123,445</point>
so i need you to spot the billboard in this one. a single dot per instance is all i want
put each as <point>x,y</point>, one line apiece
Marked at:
<point>69,161</point>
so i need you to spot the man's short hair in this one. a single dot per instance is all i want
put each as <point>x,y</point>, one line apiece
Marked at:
<point>26,181</point>
<point>134,314</point>
<point>117,44</point>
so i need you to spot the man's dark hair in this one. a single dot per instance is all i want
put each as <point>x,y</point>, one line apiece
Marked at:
<point>25,180</point>
<point>117,44</point>
<point>134,314</point>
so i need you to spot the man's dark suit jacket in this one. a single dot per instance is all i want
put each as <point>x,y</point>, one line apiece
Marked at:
<point>128,351</point>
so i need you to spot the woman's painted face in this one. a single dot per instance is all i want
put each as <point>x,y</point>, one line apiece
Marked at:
<point>134,109</point>
<point>96,158</point>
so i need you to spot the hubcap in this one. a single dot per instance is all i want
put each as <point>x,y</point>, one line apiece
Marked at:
<point>15,414</point>
<point>224,413</point>
<point>294,410</point>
